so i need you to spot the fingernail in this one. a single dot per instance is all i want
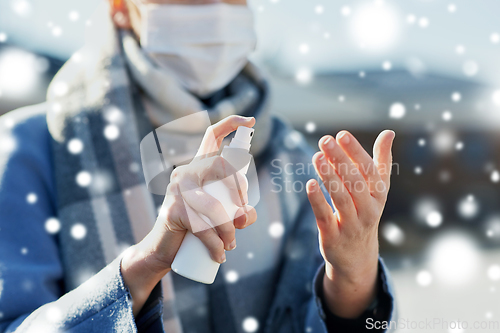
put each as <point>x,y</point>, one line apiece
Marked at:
<point>223,258</point>
<point>343,137</point>
<point>321,157</point>
<point>232,246</point>
<point>328,143</point>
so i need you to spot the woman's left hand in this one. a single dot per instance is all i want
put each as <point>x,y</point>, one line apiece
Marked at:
<point>358,186</point>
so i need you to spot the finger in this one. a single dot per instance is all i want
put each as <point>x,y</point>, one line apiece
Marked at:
<point>208,236</point>
<point>222,170</point>
<point>382,155</point>
<point>325,218</point>
<point>203,203</point>
<point>216,133</point>
<point>350,175</point>
<point>245,216</point>
<point>342,200</point>
<point>226,232</point>
<point>361,159</point>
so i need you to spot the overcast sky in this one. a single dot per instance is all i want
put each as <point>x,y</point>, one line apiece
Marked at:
<point>455,37</point>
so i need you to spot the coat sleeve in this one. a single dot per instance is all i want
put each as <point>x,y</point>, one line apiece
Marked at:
<point>31,292</point>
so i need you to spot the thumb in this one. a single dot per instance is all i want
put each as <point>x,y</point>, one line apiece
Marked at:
<point>382,155</point>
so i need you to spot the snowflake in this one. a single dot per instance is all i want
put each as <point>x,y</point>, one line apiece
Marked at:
<point>303,76</point>
<point>232,276</point>
<point>111,132</point>
<point>276,229</point>
<point>423,22</point>
<point>447,116</point>
<point>83,178</point>
<point>304,48</point>
<point>393,233</point>
<point>31,198</point>
<point>57,31</point>
<point>60,88</point>
<point>74,15</point>
<point>310,127</point>
<point>456,97</point>
<point>397,110</point>
<point>495,176</point>
<point>345,11</point>
<point>75,146</point>
<point>78,231</point>
<point>470,68</point>
<point>424,278</point>
<point>52,225</point>
<point>250,324</point>
<point>434,219</point>
<point>460,49</point>
<point>468,207</point>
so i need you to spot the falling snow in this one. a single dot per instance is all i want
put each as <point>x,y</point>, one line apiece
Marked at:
<point>31,198</point>
<point>456,97</point>
<point>386,65</point>
<point>393,233</point>
<point>83,178</point>
<point>78,231</point>
<point>494,272</point>
<point>496,97</point>
<point>310,127</point>
<point>250,324</point>
<point>447,116</point>
<point>345,11</point>
<point>468,207</point>
<point>276,229</point>
<point>52,225</point>
<point>495,176</point>
<point>74,15</point>
<point>232,276</point>
<point>319,9</point>
<point>60,88</point>
<point>397,111</point>
<point>495,38</point>
<point>75,146</point>
<point>111,132</point>
<point>423,22</point>
<point>424,278</point>
<point>470,68</point>
<point>434,219</point>
<point>303,76</point>
<point>460,49</point>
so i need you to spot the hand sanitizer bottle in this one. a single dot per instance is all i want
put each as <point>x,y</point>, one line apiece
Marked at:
<point>193,259</point>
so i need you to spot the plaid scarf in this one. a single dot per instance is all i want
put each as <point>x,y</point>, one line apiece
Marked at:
<point>96,120</point>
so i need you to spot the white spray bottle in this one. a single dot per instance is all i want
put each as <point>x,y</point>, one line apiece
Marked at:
<point>193,259</point>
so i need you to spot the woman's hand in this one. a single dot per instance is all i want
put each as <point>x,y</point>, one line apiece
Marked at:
<point>144,264</point>
<point>358,186</point>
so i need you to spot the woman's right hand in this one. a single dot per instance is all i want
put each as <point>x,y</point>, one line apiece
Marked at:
<point>144,264</point>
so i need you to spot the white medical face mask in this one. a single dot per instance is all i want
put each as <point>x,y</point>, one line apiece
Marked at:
<point>204,46</point>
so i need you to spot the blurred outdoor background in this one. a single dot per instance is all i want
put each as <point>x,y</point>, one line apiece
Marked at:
<point>429,69</point>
